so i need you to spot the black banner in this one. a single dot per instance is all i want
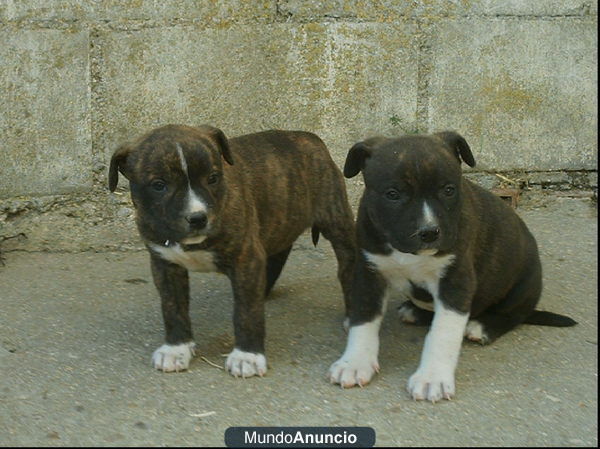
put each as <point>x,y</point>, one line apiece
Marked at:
<point>300,437</point>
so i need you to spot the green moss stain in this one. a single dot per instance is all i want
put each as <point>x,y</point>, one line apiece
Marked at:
<point>504,94</point>
<point>501,95</point>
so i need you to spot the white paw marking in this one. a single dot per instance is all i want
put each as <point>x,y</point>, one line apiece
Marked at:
<point>434,379</point>
<point>346,324</point>
<point>354,371</point>
<point>431,385</point>
<point>407,314</point>
<point>176,358</point>
<point>474,332</point>
<point>246,364</point>
<point>359,362</point>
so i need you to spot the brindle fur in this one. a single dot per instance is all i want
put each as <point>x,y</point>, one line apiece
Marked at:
<point>497,273</point>
<point>274,185</point>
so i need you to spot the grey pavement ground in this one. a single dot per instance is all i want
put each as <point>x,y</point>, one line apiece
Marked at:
<point>77,332</point>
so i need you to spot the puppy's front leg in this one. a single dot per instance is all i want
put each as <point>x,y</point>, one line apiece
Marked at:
<point>434,379</point>
<point>172,283</point>
<point>248,278</point>
<point>359,362</point>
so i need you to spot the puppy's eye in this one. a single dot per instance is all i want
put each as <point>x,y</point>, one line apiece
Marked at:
<point>392,195</point>
<point>213,178</point>
<point>449,190</point>
<point>158,185</point>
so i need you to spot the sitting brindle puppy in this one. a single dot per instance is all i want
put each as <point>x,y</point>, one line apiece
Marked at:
<point>457,248</point>
<point>234,206</point>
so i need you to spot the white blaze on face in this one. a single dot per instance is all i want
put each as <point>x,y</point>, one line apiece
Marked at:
<point>194,203</point>
<point>428,215</point>
<point>184,166</point>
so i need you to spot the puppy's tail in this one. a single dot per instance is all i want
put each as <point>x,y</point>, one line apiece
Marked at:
<point>315,235</point>
<point>542,318</point>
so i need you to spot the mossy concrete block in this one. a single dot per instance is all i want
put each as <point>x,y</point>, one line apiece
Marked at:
<point>241,79</point>
<point>550,8</point>
<point>339,81</point>
<point>549,178</point>
<point>207,12</point>
<point>522,92</point>
<point>45,119</point>
<point>387,10</point>
<point>486,180</point>
<point>371,86</point>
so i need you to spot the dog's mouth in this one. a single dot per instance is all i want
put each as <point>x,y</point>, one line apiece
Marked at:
<point>427,252</point>
<point>417,249</point>
<point>194,240</point>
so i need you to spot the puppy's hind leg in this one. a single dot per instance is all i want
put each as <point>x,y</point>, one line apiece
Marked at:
<point>275,264</point>
<point>487,327</point>
<point>511,311</point>
<point>411,314</point>
<point>337,226</point>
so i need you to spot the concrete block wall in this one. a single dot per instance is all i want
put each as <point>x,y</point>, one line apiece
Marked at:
<point>517,78</point>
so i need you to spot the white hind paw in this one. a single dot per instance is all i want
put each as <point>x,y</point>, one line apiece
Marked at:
<point>474,331</point>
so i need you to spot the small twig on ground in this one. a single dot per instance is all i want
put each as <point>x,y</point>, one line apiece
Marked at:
<point>504,178</point>
<point>211,363</point>
<point>202,415</point>
<point>8,237</point>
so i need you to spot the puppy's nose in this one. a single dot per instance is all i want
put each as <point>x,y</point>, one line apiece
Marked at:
<point>429,234</point>
<point>197,220</point>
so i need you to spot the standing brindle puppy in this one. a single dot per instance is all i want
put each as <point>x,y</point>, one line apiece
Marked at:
<point>234,206</point>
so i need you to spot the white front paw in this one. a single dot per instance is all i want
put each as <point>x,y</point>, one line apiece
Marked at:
<point>353,370</point>
<point>431,384</point>
<point>176,358</point>
<point>246,364</point>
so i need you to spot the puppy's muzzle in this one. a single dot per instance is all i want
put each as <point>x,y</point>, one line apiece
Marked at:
<point>197,220</point>
<point>429,234</point>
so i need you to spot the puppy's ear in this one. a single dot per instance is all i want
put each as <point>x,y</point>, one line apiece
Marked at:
<point>219,139</point>
<point>458,145</point>
<point>118,163</point>
<point>355,160</point>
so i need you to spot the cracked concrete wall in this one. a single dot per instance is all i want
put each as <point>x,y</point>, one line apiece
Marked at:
<point>517,78</point>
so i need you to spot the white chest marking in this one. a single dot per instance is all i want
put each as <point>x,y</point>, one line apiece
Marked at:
<point>399,268</point>
<point>202,261</point>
